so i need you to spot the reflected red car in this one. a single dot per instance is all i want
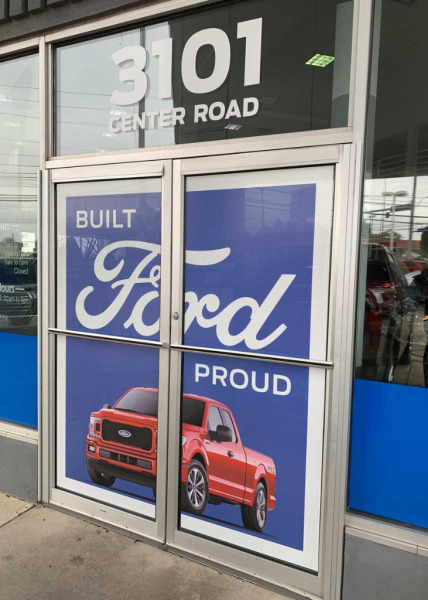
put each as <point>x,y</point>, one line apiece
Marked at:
<point>215,466</point>
<point>413,264</point>
<point>390,309</point>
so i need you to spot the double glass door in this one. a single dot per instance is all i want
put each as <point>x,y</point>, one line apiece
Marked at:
<point>190,352</point>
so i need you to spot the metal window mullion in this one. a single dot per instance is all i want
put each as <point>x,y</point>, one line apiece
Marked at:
<point>42,269</point>
<point>328,549</point>
<point>104,338</point>
<point>51,301</point>
<point>360,68</point>
<point>40,353</point>
<point>177,286</point>
<point>46,456</point>
<point>286,360</point>
<point>336,449</point>
<point>164,354</point>
<point>113,172</point>
<point>9,49</point>
<point>216,148</point>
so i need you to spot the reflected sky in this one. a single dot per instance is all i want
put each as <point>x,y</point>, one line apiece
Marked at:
<point>411,198</point>
<point>19,155</point>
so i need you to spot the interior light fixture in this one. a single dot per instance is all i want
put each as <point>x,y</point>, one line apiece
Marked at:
<point>320,60</point>
<point>267,100</point>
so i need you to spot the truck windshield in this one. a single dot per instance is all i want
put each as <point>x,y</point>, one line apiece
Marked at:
<point>146,403</point>
<point>139,401</point>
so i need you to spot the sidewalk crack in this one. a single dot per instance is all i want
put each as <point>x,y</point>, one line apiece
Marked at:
<point>17,515</point>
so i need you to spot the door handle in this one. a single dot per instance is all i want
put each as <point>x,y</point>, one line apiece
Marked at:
<point>230,454</point>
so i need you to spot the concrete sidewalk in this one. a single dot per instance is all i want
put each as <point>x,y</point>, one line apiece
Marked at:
<point>49,555</point>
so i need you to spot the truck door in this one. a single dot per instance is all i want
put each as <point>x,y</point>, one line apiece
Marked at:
<point>236,463</point>
<point>226,472</point>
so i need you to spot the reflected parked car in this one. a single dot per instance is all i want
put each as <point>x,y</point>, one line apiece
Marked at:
<point>413,264</point>
<point>410,276</point>
<point>390,309</point>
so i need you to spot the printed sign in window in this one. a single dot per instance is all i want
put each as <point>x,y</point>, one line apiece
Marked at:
<point>250,469</point>
<point>108,277</point>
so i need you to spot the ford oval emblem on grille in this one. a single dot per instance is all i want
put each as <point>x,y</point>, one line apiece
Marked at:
<point>124,433</point>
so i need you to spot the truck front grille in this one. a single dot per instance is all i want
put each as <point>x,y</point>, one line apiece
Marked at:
<point>141,437</point>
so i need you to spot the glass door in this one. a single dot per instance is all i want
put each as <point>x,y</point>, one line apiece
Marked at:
<point>109,329</point>
<point>194,354</point>
<point>251,360</point>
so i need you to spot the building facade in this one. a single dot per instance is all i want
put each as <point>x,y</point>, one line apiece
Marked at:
<point>214,280</point>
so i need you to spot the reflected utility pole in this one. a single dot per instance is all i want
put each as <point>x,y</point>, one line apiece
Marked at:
<point>412,215</point>
<point>394,196</point>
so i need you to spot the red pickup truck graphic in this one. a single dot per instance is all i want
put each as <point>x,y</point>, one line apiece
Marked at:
<point>215,466</point>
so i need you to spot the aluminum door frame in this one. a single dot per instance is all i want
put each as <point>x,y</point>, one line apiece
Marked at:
<point>153,530</point>
<point>327,583</point>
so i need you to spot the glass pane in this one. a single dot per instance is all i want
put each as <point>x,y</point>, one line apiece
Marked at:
<point>108,277</point>
<point>19,162</point>
<point>388,466</point>
<point>258,261</point>
<point>107,422</point>
<point>251,466</point>
<point>230,71</point>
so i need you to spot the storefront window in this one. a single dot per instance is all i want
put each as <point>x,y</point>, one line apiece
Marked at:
<point>227,72</point>
<point>19,160</point>
<point>388,467</point>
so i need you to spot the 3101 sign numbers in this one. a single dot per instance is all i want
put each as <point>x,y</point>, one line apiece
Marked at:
<point>251,31</point>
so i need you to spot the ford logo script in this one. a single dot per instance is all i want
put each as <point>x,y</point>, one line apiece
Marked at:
<point>124,433</point>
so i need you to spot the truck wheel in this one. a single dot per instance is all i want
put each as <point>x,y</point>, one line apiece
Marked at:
<point>254,517</point>
<point>99,478</point>
<point>195,493</point>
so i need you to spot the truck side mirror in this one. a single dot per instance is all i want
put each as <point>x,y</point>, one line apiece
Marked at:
<point>107,406</point>
<point>224,434</point>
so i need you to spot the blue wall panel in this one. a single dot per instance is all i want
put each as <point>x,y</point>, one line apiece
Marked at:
<point>18,377</point>
<point>389,451</point>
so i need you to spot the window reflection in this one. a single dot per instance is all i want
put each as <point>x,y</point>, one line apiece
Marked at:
<point>394,265</point>
<point>295,93</point>
<point>19,161</point>
<point>392,334</point>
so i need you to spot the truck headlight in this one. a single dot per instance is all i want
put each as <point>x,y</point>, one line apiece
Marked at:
<point>95,427</point>
<point>183,440</point>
